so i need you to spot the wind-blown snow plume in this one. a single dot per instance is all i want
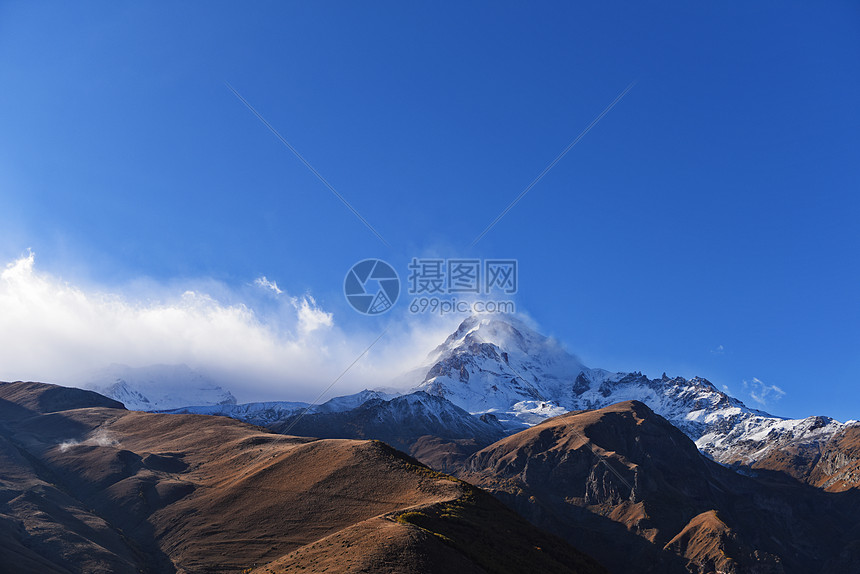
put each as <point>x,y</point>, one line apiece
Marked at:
<point>99,438</point>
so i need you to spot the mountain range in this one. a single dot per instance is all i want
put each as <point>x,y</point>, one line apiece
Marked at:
<point>88,486</point>
<point>650,475</point>
<point>496,375</point>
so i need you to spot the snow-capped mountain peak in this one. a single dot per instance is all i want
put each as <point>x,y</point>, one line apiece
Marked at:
<point>506,332</point>
<point>502,366</point>
<point>490,364</point>
<point>158,387</point>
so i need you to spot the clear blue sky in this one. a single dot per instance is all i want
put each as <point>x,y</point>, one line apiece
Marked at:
<point>715,207</point>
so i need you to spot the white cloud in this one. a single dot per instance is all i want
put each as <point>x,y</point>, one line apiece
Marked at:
<point>719,350</point>
<point>763,393</point>
<point>53,331</point>
<point>266,284</point>
<point>311,317</point>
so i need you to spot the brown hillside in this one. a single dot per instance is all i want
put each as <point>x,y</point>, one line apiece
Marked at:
<point>629,487</point>
<point>101,489</point>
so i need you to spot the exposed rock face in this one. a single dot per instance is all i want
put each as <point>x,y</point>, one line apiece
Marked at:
<point>833,465</point>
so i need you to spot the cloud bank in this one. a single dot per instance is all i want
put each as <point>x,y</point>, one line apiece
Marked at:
<point>53,331</point>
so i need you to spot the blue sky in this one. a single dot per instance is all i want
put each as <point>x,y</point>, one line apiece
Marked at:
<point>707,225</point>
